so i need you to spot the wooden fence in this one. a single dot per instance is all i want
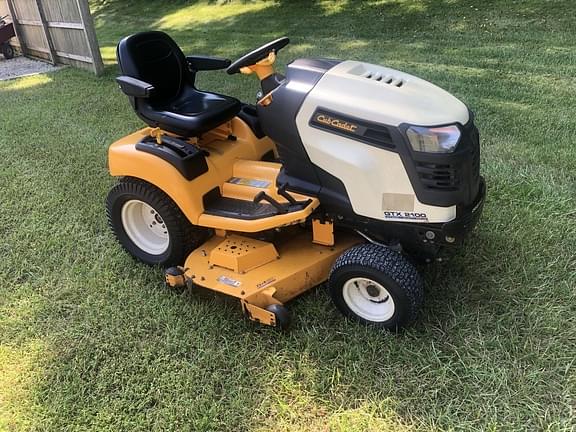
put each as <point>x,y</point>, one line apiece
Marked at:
<point>60,31</point>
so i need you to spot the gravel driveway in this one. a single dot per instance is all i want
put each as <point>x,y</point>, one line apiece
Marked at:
<point>22,66</point>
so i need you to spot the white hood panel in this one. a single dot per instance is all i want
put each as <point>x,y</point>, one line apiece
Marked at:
<point>384,95</point>
<point>375,178</point>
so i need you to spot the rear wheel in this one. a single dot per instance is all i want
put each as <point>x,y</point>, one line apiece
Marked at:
<point>149,225</point>
<point>376,285</point>
<point>7,51</point>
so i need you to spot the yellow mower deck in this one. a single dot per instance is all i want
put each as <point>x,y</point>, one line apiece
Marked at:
<point>261,273</point>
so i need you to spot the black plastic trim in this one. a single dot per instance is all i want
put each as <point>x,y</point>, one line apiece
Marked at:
<point>269,156</point>
<point>207,63</point>
<point>134,87</point>
<point>249,115</point>
<point>467,217</point>
<point>188,159</point>
<point>278,121</point>
<point>444,179</point>
<point>271,82</point>
<point>352,127</point>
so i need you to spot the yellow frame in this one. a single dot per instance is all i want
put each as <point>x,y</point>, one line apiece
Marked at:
<point>267,273</point>
<point>125,160</point>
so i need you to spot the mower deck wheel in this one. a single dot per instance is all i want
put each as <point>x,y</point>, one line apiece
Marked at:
<point>376,285</point>
<point>174,277</point>
<point>281,314</point>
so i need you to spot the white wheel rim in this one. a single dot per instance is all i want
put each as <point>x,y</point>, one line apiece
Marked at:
<point>145,227</point>
<point>368,299</point>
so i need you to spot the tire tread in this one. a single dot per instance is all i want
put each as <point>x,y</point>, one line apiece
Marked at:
<point>187,236</point>
<point>386,261</point>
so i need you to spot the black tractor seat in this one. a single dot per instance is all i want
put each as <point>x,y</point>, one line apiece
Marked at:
<point>159,80</point>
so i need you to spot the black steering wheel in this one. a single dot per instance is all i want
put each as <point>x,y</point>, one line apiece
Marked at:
<point>258,54</point>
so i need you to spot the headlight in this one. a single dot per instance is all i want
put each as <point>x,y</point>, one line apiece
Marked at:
<point>433,140</point>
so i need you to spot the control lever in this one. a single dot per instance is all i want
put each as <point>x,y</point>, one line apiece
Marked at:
<point>178,144</point>
<point>174,142</point>
<point>282,192</point>
<point>263,196</point>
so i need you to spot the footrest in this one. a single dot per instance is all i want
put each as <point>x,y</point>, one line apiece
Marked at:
<point>231,207</point>
<point>239,209</point>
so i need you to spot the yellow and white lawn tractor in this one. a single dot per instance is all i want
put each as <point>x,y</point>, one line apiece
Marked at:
<point>341,172</point>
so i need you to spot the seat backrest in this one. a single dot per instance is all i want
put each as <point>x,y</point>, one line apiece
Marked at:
<point>155,58</point>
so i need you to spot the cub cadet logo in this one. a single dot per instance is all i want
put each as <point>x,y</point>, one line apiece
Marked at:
<point>340,124</point>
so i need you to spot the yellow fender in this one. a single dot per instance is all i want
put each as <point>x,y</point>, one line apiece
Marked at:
<point>124,160</point>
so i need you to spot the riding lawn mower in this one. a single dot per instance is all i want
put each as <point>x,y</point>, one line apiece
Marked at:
<point>343,171</point>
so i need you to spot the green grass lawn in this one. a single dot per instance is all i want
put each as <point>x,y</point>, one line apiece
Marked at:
<point>90,340</point>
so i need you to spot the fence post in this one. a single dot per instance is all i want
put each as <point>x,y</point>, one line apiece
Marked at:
<point>46,31</point>
<point>16,26</point>
<point>90,33</point>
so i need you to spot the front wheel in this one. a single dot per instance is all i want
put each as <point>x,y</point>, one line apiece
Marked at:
<point>149,225</point>
<point>376,285</point>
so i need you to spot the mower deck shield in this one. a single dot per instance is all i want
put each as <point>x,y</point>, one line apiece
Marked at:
<point>300,266</point>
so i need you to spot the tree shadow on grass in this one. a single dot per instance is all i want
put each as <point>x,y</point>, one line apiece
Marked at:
<point>411,35</point>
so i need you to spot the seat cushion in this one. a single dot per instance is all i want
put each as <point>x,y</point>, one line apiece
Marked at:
<point>175,105</point>
<point>191,114</point>
<point>155,58</point>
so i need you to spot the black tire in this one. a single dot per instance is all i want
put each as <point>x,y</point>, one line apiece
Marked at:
<point>281,314</point>
<point>389,270</point>
<point>7,51</point>
<point>183,237</point>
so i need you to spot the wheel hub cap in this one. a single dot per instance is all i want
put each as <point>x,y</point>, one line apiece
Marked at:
<point>145,227</point>
<point>368,299</point>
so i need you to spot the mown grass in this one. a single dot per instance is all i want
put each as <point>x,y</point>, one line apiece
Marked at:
<point>90,340</point>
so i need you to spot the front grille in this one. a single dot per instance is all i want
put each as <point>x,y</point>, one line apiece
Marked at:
<point>454,177</point>
<point>442,177</point>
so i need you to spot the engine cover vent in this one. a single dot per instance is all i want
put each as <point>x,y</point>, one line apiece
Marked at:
<point>384,79</point>
<point>384,76</point>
